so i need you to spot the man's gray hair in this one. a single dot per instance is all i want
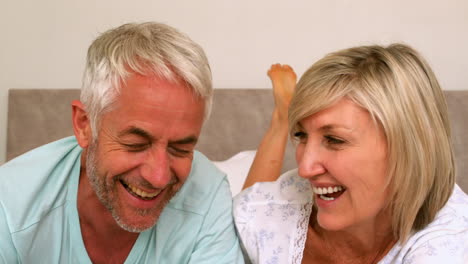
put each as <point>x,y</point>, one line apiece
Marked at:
<point>145,48</point>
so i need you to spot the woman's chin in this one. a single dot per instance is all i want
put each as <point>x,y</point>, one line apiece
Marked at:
<point>330,222</point>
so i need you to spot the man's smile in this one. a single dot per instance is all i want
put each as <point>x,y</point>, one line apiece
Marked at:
<point>138,193</point>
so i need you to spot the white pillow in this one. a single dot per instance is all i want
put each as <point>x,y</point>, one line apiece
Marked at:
<point>237,167</point>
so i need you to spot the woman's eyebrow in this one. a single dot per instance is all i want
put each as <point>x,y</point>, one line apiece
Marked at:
<point>330,127</point>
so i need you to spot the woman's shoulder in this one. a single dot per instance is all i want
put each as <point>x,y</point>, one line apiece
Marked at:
<point>454,215</point>
<point>445,239</point>
<point>285,201</point>
<point>451,219</point>
<point>289,188</point>
<point>271,218</point>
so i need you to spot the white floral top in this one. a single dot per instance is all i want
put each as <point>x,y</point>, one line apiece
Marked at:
<point>272,220</point>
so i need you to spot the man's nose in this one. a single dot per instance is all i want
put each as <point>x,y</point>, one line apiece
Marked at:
<point>156,168</point>
<point>311,161</point>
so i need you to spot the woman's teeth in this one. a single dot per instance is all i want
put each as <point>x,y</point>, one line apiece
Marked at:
<point>326,198</point>
<point>327,190</point>
<point>328,193</point>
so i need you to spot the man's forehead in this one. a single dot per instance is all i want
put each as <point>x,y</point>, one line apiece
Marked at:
<point>153,83</point>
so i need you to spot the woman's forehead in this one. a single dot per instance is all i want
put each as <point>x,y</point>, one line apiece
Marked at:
<point>344,113</point>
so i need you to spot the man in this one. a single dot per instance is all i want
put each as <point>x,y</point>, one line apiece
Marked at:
<point>129,186</point>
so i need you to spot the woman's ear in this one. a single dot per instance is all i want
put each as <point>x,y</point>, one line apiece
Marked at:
<point>81,124</point>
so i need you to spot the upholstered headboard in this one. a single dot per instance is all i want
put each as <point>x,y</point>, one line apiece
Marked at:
<point>237,123</point>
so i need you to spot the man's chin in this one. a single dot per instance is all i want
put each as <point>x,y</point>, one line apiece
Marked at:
<point>135,227</point>
<point>138,220</point>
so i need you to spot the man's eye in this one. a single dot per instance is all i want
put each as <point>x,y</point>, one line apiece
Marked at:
<point>179,152</point>
<point>136,147</point>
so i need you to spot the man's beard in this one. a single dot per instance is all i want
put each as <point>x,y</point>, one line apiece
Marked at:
<point>102,190</point>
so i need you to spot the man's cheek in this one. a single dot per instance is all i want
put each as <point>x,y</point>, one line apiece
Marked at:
<point>123,161</point>
<point>183,171</point>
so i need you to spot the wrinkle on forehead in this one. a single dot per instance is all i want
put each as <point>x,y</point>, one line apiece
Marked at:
<point>164,95</point>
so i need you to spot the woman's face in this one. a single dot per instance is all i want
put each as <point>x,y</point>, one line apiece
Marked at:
<point>343,153</point>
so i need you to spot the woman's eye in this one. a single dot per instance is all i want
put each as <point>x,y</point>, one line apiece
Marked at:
<point>334,141</point>
<point>300,136</point>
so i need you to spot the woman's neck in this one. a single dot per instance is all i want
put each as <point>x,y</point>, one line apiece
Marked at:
<point>367,242</point>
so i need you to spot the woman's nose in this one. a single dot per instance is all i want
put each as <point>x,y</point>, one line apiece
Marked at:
<point>310,160</point>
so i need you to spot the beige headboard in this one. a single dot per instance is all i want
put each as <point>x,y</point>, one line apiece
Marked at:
<point>238,121</point>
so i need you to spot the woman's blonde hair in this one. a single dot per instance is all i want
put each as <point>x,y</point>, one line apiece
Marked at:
<point>401,93</point>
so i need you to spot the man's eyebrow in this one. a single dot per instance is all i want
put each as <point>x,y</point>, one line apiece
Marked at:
<point>188,140</point>
<point>142,133</point>
<point>136,131</point>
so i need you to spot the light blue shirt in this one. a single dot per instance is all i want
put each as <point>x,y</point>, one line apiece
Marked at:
<point>39,220</point>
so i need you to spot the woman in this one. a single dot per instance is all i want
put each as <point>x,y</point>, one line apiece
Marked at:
<point>375,181</point>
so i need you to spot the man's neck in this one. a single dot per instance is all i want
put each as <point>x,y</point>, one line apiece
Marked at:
<point>104,240</point>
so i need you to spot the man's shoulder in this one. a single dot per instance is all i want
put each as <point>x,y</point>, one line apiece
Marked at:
<point>203,183</point>
<point>204,169</point>
<point>34,183</point>
<point>199,219</point>
<point>40,162</point>
<point>45,154</point>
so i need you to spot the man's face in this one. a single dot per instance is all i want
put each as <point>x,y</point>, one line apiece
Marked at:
<point>144,149</point>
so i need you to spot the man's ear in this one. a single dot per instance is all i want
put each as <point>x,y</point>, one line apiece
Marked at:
<point>81,124</point>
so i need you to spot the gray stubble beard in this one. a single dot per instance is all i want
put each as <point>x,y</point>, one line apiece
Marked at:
<point>99,186</point>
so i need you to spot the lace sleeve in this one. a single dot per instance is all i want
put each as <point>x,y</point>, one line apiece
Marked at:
<point>272,218</point>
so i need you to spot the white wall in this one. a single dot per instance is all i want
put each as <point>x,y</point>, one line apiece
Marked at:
<point>43,43</point>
